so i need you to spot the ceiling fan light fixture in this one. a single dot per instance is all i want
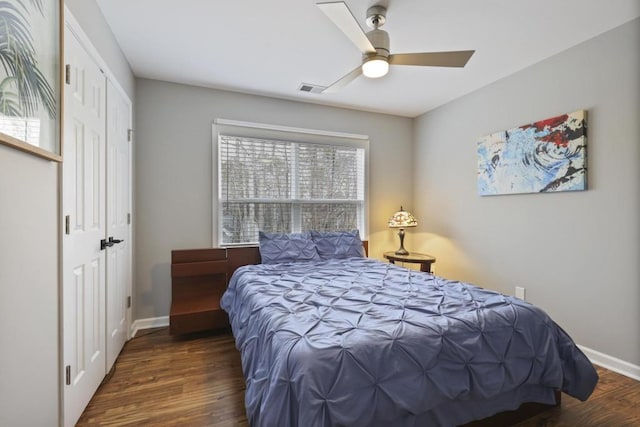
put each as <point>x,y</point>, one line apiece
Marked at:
<point>375,46</point>
<point>375,66</point>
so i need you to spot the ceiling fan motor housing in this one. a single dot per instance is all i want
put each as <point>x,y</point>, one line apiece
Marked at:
<point>376,18</point>
<point>380,41</point>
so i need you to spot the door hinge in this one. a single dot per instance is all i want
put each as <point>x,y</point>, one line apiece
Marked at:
<point>67,375</point>
<point>67,224</point>
<point>128,219</point>
<point>128,302</point>
<point>129,134</point>
<point>67,74</point>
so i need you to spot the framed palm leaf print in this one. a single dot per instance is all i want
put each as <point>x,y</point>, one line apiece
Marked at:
<point>30,76</point>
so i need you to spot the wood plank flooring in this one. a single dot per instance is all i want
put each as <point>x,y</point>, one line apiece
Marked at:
<point>197,381</point>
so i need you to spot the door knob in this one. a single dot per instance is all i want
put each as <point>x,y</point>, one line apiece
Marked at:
<point>104,244</point>
<point>112,240</point>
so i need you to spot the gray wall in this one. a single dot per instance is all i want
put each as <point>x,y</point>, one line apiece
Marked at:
<point>173,171</point>
<point>577,254</point>
<point>29,260</point>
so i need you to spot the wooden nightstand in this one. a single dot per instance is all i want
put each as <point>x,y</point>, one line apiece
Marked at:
<point>198,280</point>
<point>424,260</point>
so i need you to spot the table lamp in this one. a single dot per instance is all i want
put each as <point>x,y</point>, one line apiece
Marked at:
<point>402,219</point>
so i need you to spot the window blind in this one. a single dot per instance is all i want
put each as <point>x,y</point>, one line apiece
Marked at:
<point>278,185</point>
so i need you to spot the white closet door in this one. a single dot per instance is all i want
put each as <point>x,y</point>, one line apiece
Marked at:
<point>118,228</point>
<point>83,288</point>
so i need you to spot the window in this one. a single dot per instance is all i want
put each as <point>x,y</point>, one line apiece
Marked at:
<point>287,180</point>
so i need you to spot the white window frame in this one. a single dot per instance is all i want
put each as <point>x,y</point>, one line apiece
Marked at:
<point>281,133</point>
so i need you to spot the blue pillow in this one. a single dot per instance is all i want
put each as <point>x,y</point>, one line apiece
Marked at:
<point>338,244</point>
<point>280,247</point>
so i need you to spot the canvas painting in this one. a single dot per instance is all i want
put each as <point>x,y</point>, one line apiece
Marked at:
<point>545,156</point>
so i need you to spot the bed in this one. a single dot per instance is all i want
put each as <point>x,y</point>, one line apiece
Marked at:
<point>344,340</point>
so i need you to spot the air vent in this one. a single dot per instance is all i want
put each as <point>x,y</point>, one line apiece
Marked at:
<point>306,87</point>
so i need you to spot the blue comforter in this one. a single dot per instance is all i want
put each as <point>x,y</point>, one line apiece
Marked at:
<point>358,342</point>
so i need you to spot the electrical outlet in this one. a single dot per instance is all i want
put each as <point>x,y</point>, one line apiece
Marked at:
<point>520,293</point>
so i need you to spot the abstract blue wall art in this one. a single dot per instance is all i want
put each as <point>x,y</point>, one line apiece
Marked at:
<point>545,156</point>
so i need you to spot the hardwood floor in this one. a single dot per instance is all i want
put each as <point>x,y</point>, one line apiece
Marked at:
<point>196,381</point>
<point>160,380</point>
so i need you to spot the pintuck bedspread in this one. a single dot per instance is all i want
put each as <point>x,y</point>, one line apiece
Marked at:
<point>359,342</point>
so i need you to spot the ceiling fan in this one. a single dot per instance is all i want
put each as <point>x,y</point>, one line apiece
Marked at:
<point>374,46</point>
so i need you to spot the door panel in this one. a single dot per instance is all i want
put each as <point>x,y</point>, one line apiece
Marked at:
<point>118,209</point>
<point>84,263</point>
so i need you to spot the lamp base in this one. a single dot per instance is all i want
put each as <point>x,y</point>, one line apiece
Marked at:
<point>402,250</point>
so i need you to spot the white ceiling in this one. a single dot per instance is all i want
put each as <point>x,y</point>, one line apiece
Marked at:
<point>269,47</point>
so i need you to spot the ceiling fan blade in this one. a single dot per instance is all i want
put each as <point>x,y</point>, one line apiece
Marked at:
<point>433,59</point>
<point>341,16</point>
<point>343,81</point>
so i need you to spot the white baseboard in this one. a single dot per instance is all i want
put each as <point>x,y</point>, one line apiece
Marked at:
<point>152,322</point>
<point>612,363</point>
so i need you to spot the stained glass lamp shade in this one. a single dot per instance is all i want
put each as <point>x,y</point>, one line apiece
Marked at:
<point>402,219</point>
